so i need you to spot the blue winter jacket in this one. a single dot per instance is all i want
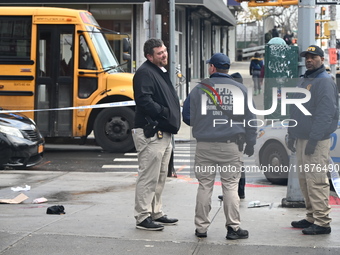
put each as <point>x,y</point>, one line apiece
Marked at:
<point>323,106</point>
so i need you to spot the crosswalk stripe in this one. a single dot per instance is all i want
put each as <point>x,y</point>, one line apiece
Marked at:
<point>135,160</point>
<point>183,159</point>
<point>130,154</point>
<point>125,159</point>
<point>136,166</point>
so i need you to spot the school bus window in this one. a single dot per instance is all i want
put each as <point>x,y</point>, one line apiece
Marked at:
<point>85,56</point>
<point>86,86</point>
<point>45,54</point>
<point>15,37</point>
<point>65,68</point>
<point>105,53</point>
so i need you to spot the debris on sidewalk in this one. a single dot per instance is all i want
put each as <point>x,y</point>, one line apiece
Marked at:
<point>39,200</point>
<point>56,209</point>
<point>254,204</point>
<point>17,200</point>
<point>26,188</point>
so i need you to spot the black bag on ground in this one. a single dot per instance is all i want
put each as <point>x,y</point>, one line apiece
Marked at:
<point>56,209</point>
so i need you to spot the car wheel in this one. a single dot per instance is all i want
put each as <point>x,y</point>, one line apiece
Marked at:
<point>274,162</point>
<point>113,129</point>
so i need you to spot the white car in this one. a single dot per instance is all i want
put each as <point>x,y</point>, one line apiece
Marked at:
<point>272,155</point>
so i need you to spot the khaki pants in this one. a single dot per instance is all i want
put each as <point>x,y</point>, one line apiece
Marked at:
<point>314,182</point>
<point>226,159</point>
<point>153,159</point>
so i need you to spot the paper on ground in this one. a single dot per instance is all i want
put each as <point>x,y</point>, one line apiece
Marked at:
<point>17,200</point>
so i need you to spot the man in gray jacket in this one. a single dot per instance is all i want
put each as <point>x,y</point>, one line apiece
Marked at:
<point>220,136</point>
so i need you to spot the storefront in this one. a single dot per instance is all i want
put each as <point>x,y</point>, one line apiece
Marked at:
<point>203,27</point>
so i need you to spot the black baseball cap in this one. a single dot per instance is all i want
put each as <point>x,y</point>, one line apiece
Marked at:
<point>313,49</point>
<point>220,61</point>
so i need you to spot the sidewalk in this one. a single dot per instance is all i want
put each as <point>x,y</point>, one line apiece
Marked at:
<point>99,219</point>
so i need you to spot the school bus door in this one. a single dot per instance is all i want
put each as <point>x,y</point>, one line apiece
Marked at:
<point>54,79</point>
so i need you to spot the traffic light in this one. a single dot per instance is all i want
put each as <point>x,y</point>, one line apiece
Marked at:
<point>317,29</point>
<point>256,3</point>
<point>323,10</point>
<point>326,30</point>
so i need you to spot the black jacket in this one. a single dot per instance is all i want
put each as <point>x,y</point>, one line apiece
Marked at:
<point>323,106</point>
<point>155,96</point>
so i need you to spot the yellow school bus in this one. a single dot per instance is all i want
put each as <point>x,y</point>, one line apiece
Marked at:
<point>52,58</point>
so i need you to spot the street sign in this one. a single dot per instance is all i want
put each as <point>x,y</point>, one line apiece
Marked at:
<point>324,2</point>
<point>332,56</point>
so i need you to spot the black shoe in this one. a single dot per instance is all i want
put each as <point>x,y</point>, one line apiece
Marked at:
<point>148,224</point>
<point>301,224</point>
<point>316,230</point>
<point>201,235</point>
<point>164,220</point>
<point>240,196</point>
<point>239,234</point>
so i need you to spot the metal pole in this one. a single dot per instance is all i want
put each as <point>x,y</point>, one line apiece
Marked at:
<point>306,37</point>
<point>306,27</point>
<point>172,64</point>
<point>152,19</point>
<point>332,41</point>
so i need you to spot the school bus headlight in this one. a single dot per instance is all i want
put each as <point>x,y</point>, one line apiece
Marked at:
<point>11,131</point>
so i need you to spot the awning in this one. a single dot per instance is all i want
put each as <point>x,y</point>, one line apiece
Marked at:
<point>220,14</point>
<point>216,7</point>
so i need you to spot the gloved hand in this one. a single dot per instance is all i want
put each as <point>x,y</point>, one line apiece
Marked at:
<point>310,147</point>
<point>290,144</point>
<point>249,150</point>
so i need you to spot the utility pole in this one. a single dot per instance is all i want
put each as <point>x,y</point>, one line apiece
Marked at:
<point>332,41</point>
<point>306,24</point>
<point>166,9</point>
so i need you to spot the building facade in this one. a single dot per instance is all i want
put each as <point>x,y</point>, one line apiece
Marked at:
<point>202,27</point>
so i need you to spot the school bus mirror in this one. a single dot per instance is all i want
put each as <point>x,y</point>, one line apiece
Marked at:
<point>126,45</point>
<point>126,56</point>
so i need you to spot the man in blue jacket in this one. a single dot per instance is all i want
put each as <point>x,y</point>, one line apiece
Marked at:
<point>220,139</point>
<point>310,138</point>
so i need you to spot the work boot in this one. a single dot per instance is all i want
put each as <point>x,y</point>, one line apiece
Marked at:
<point>201,235</point>
<point>301,224</point>
<point>316,230</point>
<point>239,234</point>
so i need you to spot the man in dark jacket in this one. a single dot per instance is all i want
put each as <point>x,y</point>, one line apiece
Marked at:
<point>220,139</point>
<point>157,118</point>
<point>311,136</point>
<point>255,67</point>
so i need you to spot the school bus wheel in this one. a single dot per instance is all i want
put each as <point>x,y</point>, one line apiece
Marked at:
<point>113,129</point>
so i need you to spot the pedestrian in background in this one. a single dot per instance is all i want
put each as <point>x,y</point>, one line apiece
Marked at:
<point>310,138</point>
<point>218,146</point>
<point>255,67</point>
<point>275,33</point>
<point>157,118</point>
<point>268,36</point>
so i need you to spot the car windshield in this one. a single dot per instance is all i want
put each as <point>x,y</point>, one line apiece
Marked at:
<point>107,57</point>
